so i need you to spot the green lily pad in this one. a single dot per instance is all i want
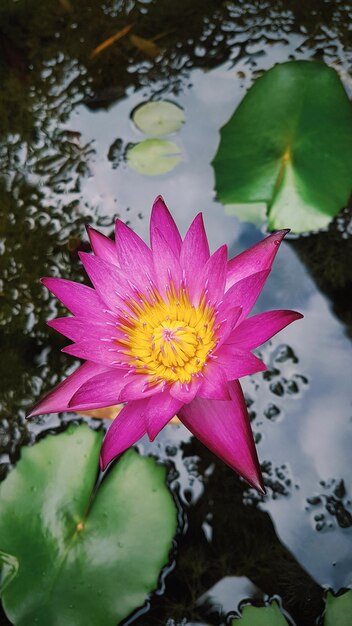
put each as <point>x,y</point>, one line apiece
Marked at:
<point>261,616</point>
<point>152,157</point>
<point>289,145</point>
<point>72,558</point>
<point>158,118</point>
<point>338,611</point>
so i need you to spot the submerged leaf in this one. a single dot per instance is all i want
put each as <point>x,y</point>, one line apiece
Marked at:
<point>158,118</point>
<point>152,157</point>
<point>147,46</point>
<point>110,40</point>
<point>105,413</point>
<point>82,560</point>
<point>289,145</point>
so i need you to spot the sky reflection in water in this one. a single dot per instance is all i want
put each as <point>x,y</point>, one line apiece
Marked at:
<point>302,415</point>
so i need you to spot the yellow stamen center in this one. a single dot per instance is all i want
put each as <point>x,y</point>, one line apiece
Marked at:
<point>168,340</point>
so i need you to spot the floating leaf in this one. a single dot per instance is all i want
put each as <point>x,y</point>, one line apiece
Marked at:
<point>338,610</point>
<point>147,46</point>
<point>153,156</point>
<point>261,616</point>
<point>158,118</point>
<point>289,145</point>
<point>82,560</point>
<point>110,40</point>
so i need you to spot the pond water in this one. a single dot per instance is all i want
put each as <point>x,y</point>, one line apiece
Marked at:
<point>65,124</point>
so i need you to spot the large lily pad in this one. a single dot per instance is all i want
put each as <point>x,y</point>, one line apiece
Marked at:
<point>158,118</point>
<point>338,610</point>
<point>153,157</point>
<point>261,616</point>
<point>71,559</point>
<point>289,145</point>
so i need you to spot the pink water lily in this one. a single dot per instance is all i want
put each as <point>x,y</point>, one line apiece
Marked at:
<point>165,330</point>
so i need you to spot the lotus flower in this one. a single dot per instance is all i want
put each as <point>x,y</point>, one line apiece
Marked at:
<point>165,330</point>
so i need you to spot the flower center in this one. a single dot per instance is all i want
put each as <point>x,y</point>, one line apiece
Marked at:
<point>168,340</point>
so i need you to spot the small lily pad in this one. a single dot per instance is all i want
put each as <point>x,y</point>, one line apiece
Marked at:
<point>288,145</point>
<point>69,556</point>
<point>261,616</point>
<point>338,610</point>
<point>158,118</point>
<point>153,157</point>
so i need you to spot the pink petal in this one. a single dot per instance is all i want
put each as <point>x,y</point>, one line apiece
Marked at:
<point>105,353</point>
<point>186,392</point>
<point>245,293</point>
<point>134,255</point>
<point>127,428</point>
<point>225,429</point>
<point>58,399</point>
<point>211,280</point>
<point>78,329</point>
<point>159,410</point>
<point>100,390</point>
<point>166,264</point>
<point>102,246</point>
<point>227,318</point>
<point>162,220</point>
<point>79,299</point>
<point>214,383</point>
<point>257,258</point>
<point>194,251</point>
<point>137,386</point>
<point>254,331</point>
<point>110,282</point>
<point>237,363</point>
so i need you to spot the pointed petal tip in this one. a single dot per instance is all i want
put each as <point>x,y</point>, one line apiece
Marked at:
<point>53,323</point>
<point>283,232</point>
<point>90,232</point>
<point>67,349</point>
<point>256,481</point>
<point>151,435</point>
<point>258,484</point>
<point>199,217</point>
<point>159,198</point>
<point>279,233</point>
<point>35,410</point>
<point>159,204</point>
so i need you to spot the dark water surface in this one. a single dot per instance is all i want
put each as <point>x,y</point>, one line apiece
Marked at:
<point>64,127</point>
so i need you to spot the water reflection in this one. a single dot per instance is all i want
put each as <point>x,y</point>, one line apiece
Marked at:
<point>64,128</point>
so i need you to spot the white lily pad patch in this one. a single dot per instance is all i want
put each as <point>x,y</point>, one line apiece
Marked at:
<point>153,157</point>
<point>158,118</point>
